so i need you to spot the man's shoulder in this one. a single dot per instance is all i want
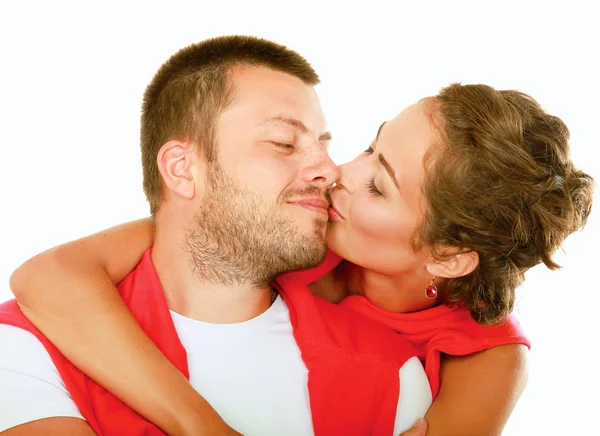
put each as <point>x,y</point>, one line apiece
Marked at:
<point>24,353</point>
<point>21,350</point>
<point>10,314</point>
<point>30,385</point>
<point>9,309</point>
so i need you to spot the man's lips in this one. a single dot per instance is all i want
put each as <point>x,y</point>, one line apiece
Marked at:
<point>319,205</point>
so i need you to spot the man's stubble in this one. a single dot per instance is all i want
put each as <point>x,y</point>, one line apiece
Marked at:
<point>238,237</point>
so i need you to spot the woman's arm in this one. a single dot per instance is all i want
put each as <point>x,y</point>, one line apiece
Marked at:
<point>68,292</point>
<point>478,392</point>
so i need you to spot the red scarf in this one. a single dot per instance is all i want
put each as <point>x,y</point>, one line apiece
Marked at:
<point>352,361</point>
<point>433,331</point>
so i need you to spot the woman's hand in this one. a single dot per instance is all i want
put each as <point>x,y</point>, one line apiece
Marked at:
<point>419,429</point>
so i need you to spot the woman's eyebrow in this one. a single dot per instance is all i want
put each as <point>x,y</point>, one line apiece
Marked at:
<point>389,170</point>
<point>379,131</point>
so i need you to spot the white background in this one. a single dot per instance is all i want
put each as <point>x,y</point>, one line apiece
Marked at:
<point>72,77</point>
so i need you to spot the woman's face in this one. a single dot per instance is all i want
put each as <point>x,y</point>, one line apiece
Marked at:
<point>377,202</point>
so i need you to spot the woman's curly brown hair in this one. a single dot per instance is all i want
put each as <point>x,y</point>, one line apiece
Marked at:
<point>499,182</point>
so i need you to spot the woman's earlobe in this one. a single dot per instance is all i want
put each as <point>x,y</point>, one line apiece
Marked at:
<point>458,265</point>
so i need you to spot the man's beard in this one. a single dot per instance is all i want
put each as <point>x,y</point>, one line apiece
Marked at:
<point>237,237</point>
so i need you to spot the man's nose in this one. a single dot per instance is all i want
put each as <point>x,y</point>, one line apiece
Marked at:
<point>322,171</point>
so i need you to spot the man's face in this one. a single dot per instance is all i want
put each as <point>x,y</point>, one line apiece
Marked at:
<point>265,207</point>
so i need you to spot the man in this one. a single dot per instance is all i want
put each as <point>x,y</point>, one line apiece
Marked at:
<point>236,170</point>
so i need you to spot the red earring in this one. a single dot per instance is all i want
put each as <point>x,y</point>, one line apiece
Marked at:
<point>431,291</point>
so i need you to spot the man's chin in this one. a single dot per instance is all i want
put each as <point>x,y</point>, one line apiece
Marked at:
<point>313,251</point>
<point>314,228</point>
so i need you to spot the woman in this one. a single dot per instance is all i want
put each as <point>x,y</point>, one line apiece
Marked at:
<point>457,197</point>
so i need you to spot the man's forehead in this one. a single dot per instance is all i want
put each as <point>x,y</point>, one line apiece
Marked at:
<point>286,120</point>
<point>257,78</point>
<point>270,98</point>
<point>282,111</point>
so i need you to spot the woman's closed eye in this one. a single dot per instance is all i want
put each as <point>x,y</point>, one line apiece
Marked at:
<point>283,144</point>
<point>373,189</point>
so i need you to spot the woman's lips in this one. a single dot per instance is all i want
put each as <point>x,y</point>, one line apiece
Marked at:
<point>334,214</point>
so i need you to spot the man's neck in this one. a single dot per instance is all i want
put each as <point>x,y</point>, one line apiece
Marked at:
<point>192,297</point>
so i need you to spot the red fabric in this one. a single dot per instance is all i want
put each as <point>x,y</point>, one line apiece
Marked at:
<point>310,275</point>
<point>442,330</point>
<point>352,361</point>
<point>433,331</point>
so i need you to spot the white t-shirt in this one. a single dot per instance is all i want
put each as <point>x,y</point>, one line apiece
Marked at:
<point>251,373</point>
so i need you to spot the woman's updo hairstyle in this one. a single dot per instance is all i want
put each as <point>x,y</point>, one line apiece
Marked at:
<point>501,182</point>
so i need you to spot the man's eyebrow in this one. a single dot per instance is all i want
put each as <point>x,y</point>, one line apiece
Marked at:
<point>389,169</point>
<point>325,137</point>
<point>379,130</point>
<point>296,124</point>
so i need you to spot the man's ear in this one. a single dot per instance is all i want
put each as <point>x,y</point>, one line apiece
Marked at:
<point>459,265</point>
<point>175,160</point>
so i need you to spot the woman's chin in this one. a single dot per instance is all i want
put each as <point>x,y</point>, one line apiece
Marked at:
<point>332,239</point>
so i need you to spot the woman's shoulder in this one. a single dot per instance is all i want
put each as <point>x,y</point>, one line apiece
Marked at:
<point>451,330</point>
<point>506,331</point>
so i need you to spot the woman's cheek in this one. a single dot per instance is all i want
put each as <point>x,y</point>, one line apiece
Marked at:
<point>369,221</point>
<point>376,223</point>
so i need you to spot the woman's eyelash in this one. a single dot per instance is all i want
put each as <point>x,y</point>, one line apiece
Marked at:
<point>373,189</point>
<point>283,145</point>
<point>369,150</point>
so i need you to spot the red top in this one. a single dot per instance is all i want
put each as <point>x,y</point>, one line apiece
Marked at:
<point>440,329</point>
<point>353,362</point>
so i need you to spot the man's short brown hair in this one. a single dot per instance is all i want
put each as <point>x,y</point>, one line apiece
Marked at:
<point>192,88</point>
